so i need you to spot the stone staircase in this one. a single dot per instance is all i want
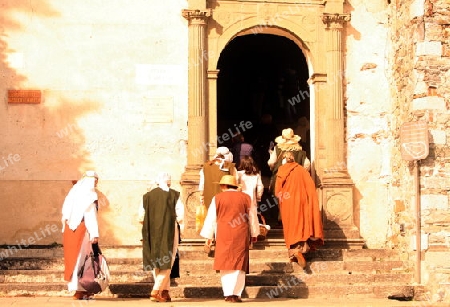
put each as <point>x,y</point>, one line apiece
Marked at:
<point>330,272</point>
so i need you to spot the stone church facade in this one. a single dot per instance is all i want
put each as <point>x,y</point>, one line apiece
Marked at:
<point>131,89</point>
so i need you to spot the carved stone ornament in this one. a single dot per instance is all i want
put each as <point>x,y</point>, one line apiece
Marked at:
<point>337,206</point>
<point>335,20</point>
<point>197,16</point>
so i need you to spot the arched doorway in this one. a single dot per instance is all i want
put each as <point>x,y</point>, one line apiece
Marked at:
<point>318,30</point>
<point>263,77</point>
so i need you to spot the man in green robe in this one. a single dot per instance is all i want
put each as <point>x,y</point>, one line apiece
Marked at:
<point>160,235</point>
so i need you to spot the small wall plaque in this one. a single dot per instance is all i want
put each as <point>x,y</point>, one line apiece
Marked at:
<point>24,96</point>
<point>414,140</point>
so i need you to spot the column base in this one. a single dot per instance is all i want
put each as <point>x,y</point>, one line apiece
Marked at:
<point>339,226</point>
<point>190,180</point>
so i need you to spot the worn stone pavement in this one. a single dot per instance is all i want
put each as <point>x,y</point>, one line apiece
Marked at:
<point>181,302</point>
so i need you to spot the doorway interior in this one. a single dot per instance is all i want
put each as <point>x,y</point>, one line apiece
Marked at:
<point>262,82</point>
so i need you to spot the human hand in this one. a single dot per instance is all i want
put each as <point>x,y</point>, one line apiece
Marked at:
<point>181,228</point>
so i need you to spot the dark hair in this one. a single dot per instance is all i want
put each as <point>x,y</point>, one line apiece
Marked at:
<point>238,138</point>
<point>248,165</point>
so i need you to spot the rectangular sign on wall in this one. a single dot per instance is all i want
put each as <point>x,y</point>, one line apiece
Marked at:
<point>414,140</point>
<point>24,96</point>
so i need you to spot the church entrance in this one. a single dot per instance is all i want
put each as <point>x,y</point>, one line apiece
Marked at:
<point>262,89</point>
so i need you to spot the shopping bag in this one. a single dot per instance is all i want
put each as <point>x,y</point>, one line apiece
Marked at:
<point>105,274</point>
<point>93,274</point>
<point>263,228</point>
<point>200,215</point>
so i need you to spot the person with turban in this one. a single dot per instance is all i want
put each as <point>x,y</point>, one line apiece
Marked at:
<point>80,228</point>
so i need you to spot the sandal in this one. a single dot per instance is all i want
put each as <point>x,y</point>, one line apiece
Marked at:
<point>293,259</point>
<point>155,296</point>
<point>165,294</point>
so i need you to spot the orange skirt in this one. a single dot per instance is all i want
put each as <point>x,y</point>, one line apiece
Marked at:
<point>72,244</point>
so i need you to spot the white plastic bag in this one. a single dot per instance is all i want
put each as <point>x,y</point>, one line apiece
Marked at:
<point>104,276</point>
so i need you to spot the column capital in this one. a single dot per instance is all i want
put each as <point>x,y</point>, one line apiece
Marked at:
<point>317,78</point>
<point>213,74</point>
<point>197,16</point>
<point>335,21</point>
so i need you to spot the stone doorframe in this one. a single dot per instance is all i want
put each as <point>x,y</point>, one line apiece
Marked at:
<point>317,28</point>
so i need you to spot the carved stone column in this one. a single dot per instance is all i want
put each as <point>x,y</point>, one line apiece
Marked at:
<point>197,147</point>
<point>337,186</point>
<point>336,165</point>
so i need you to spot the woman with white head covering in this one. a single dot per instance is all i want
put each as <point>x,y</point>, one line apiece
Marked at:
<point>211,173</point>
<point>80,228</point>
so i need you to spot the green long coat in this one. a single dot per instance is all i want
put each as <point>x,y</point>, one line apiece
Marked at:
<point>158,228</point>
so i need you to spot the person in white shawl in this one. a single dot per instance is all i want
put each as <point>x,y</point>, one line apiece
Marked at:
<point>80,228</point>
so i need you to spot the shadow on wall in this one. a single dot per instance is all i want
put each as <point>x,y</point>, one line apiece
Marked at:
<point>52,148</point>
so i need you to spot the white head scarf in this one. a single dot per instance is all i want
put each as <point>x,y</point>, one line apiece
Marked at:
<point>163,181</point>
<point>228,157</point>
<point>224,151</point>
<point>79,198</point>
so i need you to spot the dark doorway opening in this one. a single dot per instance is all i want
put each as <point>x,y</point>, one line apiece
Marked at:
<point>261,89</point>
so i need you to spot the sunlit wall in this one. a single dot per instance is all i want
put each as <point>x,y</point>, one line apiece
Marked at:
<point>113,82</point>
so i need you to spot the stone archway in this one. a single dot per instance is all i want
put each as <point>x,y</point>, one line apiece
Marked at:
<point>262,88</point>
<point>317,28</point>
<point>262,74</point>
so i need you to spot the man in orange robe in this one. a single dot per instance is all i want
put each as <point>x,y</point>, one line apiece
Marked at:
<point>299,208</point>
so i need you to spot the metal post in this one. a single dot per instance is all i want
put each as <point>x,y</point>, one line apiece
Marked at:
<point>418,221</point>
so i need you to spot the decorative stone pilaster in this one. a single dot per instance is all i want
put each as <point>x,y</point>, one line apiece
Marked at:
<point>336,165</point>
<point>197,148</point>
<point>337,186</point>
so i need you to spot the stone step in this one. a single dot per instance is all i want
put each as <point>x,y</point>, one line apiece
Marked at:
<point>270,249</point>
<point>330,272</point>
<point>253,279</point>
<point>301,290</point>
<point>205,266</point>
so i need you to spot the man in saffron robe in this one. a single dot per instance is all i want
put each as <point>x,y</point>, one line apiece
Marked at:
<point>299,209</point>
<point>80,228</point>
<point>228,218</point>
<point>160,235</point>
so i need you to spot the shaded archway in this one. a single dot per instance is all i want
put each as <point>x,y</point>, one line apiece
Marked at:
<point>261,75</point>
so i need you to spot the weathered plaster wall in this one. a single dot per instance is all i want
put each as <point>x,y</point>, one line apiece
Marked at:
<point>113,78</point>
<point>369,117</point>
